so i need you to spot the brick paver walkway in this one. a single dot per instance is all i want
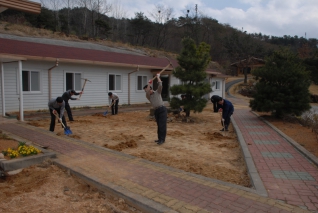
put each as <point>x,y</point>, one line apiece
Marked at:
<point>288,177</point>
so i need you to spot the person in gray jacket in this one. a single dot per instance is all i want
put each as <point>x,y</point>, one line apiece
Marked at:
<point>160,110</point>
<point>113,102</point>
<point>56,106</point>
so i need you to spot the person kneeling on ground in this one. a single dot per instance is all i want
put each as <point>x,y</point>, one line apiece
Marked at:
<point>227,109</point>
<point>160,110</point>
<point>56,107</point>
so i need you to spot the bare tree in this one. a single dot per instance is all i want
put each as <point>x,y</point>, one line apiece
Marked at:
<point>83,4</point>
<point>161,14</point>
<point>102,8</point>
<point>69,4</point>
<point>118,13</point>
<point>55,6</point>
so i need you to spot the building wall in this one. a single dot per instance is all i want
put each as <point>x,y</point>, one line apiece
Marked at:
<point>217,90</point>
<point>95,92</point>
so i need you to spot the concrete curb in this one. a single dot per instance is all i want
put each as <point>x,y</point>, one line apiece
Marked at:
<point>23,162</point>
<point>252,171</point>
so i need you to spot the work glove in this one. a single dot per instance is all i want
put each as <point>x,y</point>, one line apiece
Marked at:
<point>158,75</point>
<point>223,120</point>
<point>150,82</point>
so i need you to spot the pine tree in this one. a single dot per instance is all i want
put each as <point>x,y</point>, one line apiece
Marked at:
<point>193,61</point>
<point>283,86</point>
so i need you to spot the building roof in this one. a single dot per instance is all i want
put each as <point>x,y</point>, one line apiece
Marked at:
<point>46,52</point>
<point>21,5</point>
<point>13,50</point>
<point>248,62</point>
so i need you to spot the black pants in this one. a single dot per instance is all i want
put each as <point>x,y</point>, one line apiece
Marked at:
<point>161,119</point>
<point>227,120</point>
<point>52,125</point>
<point>115,108</point>
<point>69,111</point>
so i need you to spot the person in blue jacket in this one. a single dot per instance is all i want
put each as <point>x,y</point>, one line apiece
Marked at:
<point>227,109</point>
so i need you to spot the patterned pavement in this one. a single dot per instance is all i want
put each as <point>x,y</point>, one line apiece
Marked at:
<point>284,179</point>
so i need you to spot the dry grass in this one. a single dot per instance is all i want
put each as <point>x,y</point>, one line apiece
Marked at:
<point>25,30</point>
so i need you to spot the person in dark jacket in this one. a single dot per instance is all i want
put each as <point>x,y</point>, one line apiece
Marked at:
<point>66,97</point>
<point>227,109</point>
<point>215,100</point>
<point>56,107</point>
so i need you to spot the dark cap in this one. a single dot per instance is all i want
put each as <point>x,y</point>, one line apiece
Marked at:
<point>215,98</point>
<point>59,99</point>
<point>73,91</point>
<point>147,86</point>
<point>110,94</point>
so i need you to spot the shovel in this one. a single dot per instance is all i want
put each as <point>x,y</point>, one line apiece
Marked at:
<point>106,112</point>
<point>222,121</point>
<point>67,130</point>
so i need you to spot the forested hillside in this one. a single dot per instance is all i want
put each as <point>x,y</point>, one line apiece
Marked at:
<point>227,44</point>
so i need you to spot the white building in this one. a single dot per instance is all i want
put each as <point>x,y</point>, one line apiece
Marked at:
<point>32,73</point>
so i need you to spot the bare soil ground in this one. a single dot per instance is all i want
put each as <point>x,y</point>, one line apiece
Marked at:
<point>197,146</point>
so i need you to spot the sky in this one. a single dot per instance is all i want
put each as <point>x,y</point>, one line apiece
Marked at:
<point>269,17</point>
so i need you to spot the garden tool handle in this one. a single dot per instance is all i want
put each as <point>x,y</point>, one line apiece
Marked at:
<point>112,104</point>
<point>82,90</point>
<point>162,71</point>
<point>60,120</point>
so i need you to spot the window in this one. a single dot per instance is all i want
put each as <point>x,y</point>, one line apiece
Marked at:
<point>114,82</point>
<point>30,81</point>
<point>73,81</point>
<point>141,82</point>
<point>217,85</point>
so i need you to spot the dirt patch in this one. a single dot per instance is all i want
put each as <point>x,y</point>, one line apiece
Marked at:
<point>46,188</point>
<point>197,146</point>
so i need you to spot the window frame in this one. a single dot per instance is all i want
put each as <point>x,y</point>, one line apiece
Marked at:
<point>142,83</point>
<point>74,80</point>
<point>121,82</point>
<point>217,85</point>
<point>30,82</point>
